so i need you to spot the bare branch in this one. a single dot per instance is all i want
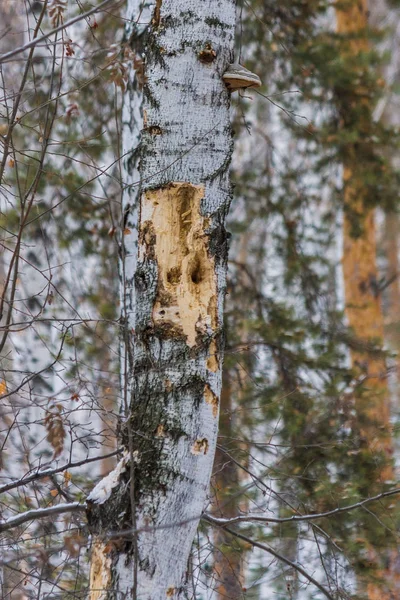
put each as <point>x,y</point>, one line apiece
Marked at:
<point>49,472</point>
<point>220,522</point>
<point>285,560</point>
<point>36,41</point>
<point>41,513</point>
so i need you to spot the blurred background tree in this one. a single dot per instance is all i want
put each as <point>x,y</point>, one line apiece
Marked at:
<point>309,404</point>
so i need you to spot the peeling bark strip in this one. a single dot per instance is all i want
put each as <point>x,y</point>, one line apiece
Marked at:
<point>100,571</point>
<point>173,284</point>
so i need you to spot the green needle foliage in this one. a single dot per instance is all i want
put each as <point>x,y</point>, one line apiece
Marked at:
<point>318,114</point>
<point>291,423</point>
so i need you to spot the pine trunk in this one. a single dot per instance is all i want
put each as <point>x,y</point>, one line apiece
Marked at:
<point>173,281</point>
<point>392,320</point>
<point>362,297</point>
<point>381,13</point>
<point>228,554</point>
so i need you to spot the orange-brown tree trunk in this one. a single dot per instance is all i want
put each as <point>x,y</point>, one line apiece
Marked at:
<point>362,297</point>
<point>392,316</point>
<point>228,552</point>
<point>365,317</point>
<point>230,562</point>
<point>230,555</point>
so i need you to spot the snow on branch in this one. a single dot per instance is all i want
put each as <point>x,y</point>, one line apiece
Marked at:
<point>41,513</point>
<point>40,474</point>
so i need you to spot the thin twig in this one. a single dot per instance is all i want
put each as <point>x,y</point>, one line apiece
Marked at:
<point>34,42</point>
<point>312,517</point>
<point>285,560</point>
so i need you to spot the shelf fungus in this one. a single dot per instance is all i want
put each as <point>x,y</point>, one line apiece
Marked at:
<point>237,77</point>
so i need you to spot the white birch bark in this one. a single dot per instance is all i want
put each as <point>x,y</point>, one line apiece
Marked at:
<point>174,267</point>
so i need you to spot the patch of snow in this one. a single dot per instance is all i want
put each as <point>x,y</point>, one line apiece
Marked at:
<point>102,491</point>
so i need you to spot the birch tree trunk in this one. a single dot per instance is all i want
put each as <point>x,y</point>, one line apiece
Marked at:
<point>174,267</point>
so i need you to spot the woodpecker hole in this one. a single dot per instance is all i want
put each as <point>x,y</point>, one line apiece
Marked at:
<point>196,275</point>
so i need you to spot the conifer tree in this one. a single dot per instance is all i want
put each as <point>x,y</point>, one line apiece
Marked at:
<point>295,419</point>
<point>361,282</point>
<point>312,59</point>
<point>384,14</point>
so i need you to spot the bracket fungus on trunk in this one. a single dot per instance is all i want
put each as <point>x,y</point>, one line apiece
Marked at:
<point>237,77</point>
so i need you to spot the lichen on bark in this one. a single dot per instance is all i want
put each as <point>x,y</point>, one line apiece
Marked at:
<point>174,283</point>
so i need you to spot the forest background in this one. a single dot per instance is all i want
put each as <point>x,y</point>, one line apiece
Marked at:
<point>303,500</point>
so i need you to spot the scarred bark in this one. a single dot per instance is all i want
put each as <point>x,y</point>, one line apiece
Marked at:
<point>173,282</point>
